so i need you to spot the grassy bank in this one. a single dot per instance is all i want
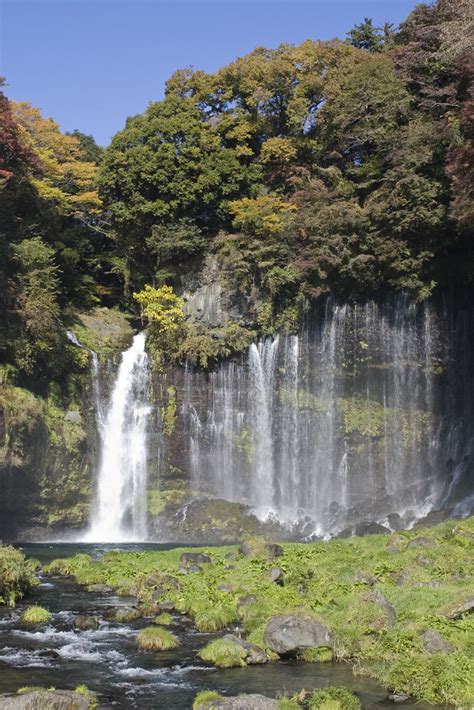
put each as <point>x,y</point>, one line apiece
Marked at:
<point>397,606</point>
<point>17,575</point>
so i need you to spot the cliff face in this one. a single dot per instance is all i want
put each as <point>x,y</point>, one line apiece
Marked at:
<point>46,455</point>
<point>363,418</point>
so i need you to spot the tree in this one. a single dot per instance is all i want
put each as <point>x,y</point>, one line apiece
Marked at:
<point>366,36</point>
<point>91,152</point>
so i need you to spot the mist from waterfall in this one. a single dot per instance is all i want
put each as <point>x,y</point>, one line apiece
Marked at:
<point>120,509</point>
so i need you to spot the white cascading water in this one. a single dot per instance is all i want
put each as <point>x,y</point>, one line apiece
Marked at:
<point>120,511</point>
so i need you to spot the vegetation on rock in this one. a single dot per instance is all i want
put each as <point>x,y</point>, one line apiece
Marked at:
<point>35,615</point>
<point>155,638</point>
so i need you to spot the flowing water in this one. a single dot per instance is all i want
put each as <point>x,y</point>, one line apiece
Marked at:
<point>108,662</point>
<point>365,415</point>
<point>120,510</point>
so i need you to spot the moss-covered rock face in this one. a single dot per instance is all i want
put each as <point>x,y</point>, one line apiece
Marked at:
<point>106,331</point>
<point>351,597</point>
<point>45,461</point>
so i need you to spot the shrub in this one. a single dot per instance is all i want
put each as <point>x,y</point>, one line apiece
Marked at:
<point>35,615</point>
<point>155,638</point>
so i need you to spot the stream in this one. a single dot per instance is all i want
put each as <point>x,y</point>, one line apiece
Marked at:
<point>108,662</point>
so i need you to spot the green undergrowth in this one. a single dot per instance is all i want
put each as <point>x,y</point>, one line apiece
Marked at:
<point>17,575</point>
<point>422,574</point>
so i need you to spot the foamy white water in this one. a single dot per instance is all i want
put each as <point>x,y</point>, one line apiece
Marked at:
<point>120,510</point>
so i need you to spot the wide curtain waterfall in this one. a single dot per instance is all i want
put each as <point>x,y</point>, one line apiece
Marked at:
<point>365,415</point>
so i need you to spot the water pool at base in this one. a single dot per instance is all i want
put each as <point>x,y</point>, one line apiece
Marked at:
<point>108,662</point>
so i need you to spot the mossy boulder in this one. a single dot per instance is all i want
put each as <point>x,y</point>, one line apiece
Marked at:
<point>231,651</point>
<point>46,700</point>
<point>86,622</point>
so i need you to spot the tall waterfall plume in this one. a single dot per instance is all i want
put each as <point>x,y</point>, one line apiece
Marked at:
<point>120,510</point>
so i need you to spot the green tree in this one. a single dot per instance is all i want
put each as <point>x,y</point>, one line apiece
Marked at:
<point>366,36</point>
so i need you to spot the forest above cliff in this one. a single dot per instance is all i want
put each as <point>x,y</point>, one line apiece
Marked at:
<point>339,166</point>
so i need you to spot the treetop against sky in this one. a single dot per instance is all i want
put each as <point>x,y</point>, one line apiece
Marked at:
<point>92,63</point>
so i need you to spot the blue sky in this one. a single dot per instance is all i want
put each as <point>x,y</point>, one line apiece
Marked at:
<point>91,63</point>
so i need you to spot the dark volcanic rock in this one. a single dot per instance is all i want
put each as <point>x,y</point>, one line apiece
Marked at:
<point>285,634</point>
<point>255,654</point>
<point>45,700</point>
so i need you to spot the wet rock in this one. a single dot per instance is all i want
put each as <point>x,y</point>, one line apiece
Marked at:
<point>123,614</point>
<point>395,521</point>
<point>45,700</point>
<point>242,702</point>
<point>376,597</point>
<point>275,574</point>
<point>85,622</point>
<point>100,588</point>
<point>466,607</point>
<point>286,634</point>
<point>434,642</point>
<point>421,542</point>
<point>48,653</point>
<point>433,518</point>
<point>370,528</point>
<point>399,697</point>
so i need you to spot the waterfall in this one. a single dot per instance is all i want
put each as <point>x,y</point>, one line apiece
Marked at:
<point>120,510</point>
<point>365,415</point>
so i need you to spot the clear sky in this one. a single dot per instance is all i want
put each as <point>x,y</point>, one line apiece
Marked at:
<point>91,63</point>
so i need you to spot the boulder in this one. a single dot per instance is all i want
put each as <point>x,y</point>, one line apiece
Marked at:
<point>256,547</point>
<point>45,700</point>
<point>242,702</point>
<point>123,614</point>
<point>100,588</point>
<point>189,559</point>
<point>246,599</point>
<point>190,569</point>
<point>255,654</point>
<point>399,697</point>
<point>275,574</point>
<point>466,607</point>
<point>85,622</point>
<point>389,611</point>
<point>287,634</point>
<point>365,578</point>
<point>225,588</point>
<point>434,642</point>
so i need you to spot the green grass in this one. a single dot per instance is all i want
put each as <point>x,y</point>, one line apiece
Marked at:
<point>223,653</point>
<point>17,575</point>
<point>35,615</point>
<point>323,580</point>
<point>164,619</point>
<point>204,697</point>
<point>155,638</point>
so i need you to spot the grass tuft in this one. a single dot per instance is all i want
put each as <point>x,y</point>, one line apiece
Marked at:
<point>204,697</point>
<point>223,653</point>
<point>155,638</point>
<point>35,615</point>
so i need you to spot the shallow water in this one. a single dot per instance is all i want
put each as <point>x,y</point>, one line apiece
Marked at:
<point>108,662</point>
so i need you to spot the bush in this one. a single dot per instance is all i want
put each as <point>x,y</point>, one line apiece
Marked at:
<point>35,615</point>
<point>155,638</point>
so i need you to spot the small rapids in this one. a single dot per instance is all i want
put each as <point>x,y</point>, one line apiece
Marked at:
<point>109,663</point>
